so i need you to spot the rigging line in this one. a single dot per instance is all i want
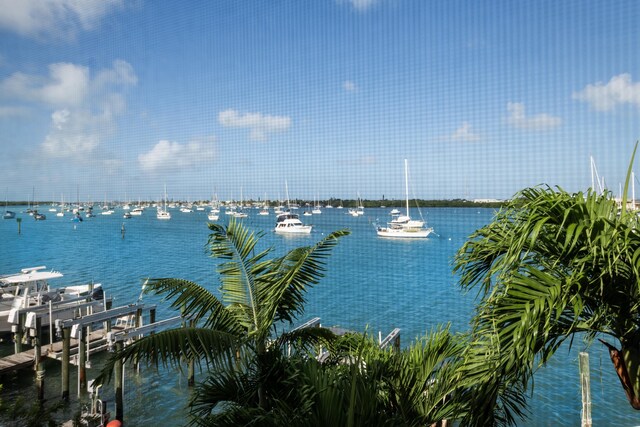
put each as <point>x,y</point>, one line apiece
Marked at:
<point>415,200</point>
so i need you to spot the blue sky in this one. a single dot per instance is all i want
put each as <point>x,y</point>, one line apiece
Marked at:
<point>117,98</point>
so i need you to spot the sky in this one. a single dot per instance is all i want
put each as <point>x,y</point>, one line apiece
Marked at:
<point>114,99</point>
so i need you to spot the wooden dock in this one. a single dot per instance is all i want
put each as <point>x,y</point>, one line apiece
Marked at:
<point>13,362</point>
<point>25,359</point>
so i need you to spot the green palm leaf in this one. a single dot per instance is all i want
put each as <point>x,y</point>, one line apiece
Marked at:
<point>172,347</point>
<point>195,303</point>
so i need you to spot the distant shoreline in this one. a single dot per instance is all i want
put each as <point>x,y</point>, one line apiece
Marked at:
<point>386,203</point>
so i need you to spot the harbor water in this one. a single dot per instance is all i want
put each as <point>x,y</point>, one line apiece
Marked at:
<point>371,283</point>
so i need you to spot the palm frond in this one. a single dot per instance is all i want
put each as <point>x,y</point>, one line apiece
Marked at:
<point>172,347</point>
<point>306,339</point>
<point>195,303</point>
<point>239,274</point>
<point>301,268</point>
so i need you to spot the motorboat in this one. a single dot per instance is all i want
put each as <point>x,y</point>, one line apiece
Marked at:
<point>30,289</point>
<point>289,223</point>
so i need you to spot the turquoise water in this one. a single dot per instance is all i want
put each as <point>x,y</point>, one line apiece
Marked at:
<point>371,283</point>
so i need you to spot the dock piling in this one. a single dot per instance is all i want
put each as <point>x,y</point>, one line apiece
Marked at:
<point>118,380</point>
<point>38,360</point>
<point>66,351</point>
<point>82,362</point>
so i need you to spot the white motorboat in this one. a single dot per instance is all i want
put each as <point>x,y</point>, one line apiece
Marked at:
<point>30,289</point>
<point>289,223</point>
<point>402,226</point>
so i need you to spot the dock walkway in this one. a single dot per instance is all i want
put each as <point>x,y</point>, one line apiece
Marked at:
<point>25,359</point>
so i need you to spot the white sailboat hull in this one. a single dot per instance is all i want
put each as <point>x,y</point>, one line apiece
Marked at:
<point>404,234</point>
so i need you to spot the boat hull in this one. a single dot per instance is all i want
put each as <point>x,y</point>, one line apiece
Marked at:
<point>404,234</point>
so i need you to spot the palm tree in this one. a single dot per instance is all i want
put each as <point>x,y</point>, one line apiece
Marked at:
<point>359,385</point>
<point>237,335</point>
<point>550,266</point>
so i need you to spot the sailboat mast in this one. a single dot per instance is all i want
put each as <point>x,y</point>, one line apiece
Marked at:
<point>286,190</point>
<point>406,185</point>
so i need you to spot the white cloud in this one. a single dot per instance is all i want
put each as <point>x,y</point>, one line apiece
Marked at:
<point>618,91</point>
<point>73,134</point>
<point>360,5</point>
<point>66,84</point>
<point>83,109</point>
<point>517,118</point>
<point>259,124</point>
<point>464,134</point>
<point>349,86</point>
<point>167,155</point>
<point>57,18</point>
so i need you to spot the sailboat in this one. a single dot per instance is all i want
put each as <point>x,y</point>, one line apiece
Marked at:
<point>7,214</point>
<point>316,207</point>
<point>164,213</point>
<point>240,213</point>
<point>61,213</point>
<point>402,226</point>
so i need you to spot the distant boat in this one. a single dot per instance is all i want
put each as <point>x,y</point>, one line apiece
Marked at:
<point>163,213</point>
<point>316,208</point>
<point>289,223</point>
<point>61,213</point>
<point>127,215</point>
<point>38,216</point>
<point>402,226</point>
<point>7,214</point>
<point>213,215</point>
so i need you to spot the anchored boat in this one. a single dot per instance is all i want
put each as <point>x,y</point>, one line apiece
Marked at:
<point>402,226</point>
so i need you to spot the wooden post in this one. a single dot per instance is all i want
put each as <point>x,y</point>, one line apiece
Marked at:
<point>396,343</point>
<point>19,221</point>
<point>586,389</point>
<point>107,306</point>
<point>38,361</point>
<point>18,334</point>
<point>118,380</point>
<point>66,351</point>
<point>82,362</point>
<point>138,321</point>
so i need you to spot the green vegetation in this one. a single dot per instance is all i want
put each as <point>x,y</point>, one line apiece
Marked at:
<point>549,267</point>
<point>239,341</point>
